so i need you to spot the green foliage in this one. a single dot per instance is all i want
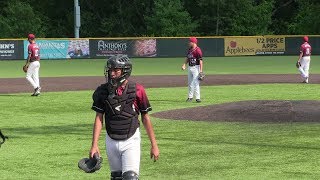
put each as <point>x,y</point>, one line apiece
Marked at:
<point>169,19</point>
<point>305,22</point>
<point>107,18</point>
<point>19,19</point>
<point>250,19</point>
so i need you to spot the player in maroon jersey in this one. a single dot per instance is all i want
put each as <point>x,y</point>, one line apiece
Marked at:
<point>304,59</point>
<point>194,61</point>
<point>119,102</point>
<point>33,63</point>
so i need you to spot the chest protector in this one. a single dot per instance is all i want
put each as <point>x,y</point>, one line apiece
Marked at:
<point>120,116</point>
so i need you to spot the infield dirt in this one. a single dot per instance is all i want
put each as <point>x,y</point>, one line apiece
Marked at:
<point>247,111</point>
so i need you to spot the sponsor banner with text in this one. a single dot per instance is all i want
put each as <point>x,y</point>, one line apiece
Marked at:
<point>133,48</point>
<point>258,45</point>
<point>50,49</point>
<point>10,49</point>
<point>61,49</point>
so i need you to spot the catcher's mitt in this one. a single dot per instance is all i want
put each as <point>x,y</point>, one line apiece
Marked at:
<point>201,76</point>
<point>90,165</point>
<point>25,68</point>
<point>298,64</point>
<point>3,137</point>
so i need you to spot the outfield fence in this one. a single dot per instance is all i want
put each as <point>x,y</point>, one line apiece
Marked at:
<point>100,48</point>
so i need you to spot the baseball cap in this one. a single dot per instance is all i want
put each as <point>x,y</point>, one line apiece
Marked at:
<point>193,39</point>
<point>31,36</point>
<point>306,39</point>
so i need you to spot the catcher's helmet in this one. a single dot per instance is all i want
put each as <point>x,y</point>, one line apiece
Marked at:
<point>118,62</point>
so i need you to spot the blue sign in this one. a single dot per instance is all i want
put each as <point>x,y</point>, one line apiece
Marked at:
<point>50,49</point>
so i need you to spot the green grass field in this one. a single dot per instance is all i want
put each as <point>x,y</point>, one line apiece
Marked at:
<point>49,134</point>
<point>165,66</point>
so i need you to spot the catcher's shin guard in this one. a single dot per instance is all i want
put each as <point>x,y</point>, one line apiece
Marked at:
<point>116,175</point>
<point>130,175</point>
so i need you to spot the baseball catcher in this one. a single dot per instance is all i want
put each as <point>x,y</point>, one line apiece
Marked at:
<point>118,104</point>
<point>90,165</point>
<point>201,76</point>
<point>298,64</point>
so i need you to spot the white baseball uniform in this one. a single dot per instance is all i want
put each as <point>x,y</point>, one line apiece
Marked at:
<point>33,74</point>
<point>194,57</point>
<point>34,66</point>
<point>193,82</point>
<point>305,49</point>
<point>124,155</point>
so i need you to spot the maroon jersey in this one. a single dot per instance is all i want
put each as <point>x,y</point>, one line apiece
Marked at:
<point>305,49</point>
<point>141,102</point>
<point>194,56</point>
<point>34,52</point>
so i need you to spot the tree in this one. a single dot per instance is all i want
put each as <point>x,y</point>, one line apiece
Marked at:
<point>253,18</point>
<point>307,19</point>
<point>19,19</point>
<point>283,15</point>
<point>106,18</point>
<point>169,18</point>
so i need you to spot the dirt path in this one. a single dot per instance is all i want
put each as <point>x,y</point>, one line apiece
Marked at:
<point>249,111</point>
<point>16,85</point>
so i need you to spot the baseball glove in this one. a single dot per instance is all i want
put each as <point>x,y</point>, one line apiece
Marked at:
<point>90,165</point>
<point>3,137</point>
<point>298,64</point>
<point>25,68</point>
<point>201,76</point>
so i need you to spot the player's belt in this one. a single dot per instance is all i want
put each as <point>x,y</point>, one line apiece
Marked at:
<point>192,65</point>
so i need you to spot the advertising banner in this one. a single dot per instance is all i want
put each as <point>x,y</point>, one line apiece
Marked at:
<point>258,45</point>
<point>133,48</point>
<point>10,49</point>
<point>78,49</point>
<point>50,49</point>
<point>144,48</point>
<point>61,49</point>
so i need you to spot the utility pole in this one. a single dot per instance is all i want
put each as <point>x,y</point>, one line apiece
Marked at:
<point>76,18</point>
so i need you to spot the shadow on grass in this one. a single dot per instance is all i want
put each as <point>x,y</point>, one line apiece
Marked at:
<point>167,100</point>
<point>266,145</point>
<point>9,95</point>
<point>78,129</point>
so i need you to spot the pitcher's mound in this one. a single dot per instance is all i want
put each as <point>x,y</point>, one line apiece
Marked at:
<point>250,111</point>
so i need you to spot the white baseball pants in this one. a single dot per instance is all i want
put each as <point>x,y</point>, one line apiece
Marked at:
<point>124,155</point>
<point>304,68</point>
<point>193,82</point>
<point>33,74</point>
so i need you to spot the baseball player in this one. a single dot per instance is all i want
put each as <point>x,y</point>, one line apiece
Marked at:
<point>120,102</point>
<point>33,63</point>
<point>194,60</point>
<point>304,59</point>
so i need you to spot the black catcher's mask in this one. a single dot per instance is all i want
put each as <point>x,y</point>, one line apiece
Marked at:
<point>117,62</point>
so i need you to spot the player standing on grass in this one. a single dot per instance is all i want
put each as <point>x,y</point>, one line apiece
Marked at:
<point>33,63</point>
<point>304,59</point>
<point>120,102</point>
<point>194,60</point>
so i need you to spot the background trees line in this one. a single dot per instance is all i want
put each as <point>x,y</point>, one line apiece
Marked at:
<point>123,18</point>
